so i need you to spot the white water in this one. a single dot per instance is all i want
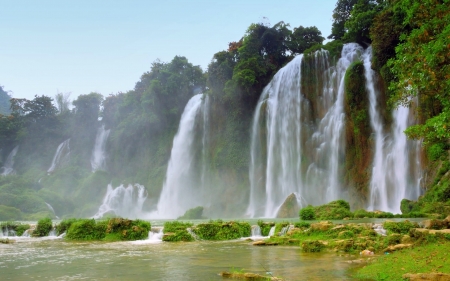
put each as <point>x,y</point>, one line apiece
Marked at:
<point>181,188</point>
<point>98,152</point>
<point>8,168</point>
<point>299,155</point>
<point>61,155</point>
<point>123,202</point>
<point>396,171</point>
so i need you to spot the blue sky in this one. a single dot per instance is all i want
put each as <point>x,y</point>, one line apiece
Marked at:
<point>51,46</point>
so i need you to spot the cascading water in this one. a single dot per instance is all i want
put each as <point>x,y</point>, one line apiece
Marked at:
<point>61,155</point>
<point>179,192</point>
<point>51,209</point>
<point>297,156</point>
<point>396,166</point>
<point>98,152</point>
<point>8,169</point>
<point>123,201</point>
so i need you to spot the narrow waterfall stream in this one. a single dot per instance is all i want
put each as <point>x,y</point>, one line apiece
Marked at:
<point>8,168</point>
<point>98,152</point>
<point>61,155</point>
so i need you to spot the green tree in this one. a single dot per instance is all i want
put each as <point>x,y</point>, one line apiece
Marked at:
<point>4,101</point>
<point>341,14</point>
<point>422,67</point>
<point>359,23</point>
<point>303,38</point>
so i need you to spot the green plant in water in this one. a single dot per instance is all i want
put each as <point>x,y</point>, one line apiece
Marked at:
<point>43,228</point>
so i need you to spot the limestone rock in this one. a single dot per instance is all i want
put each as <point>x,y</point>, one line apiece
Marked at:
<point>427,276</point>
<point>289,208</point>
<point>397,247</point>
<point>322,226</point>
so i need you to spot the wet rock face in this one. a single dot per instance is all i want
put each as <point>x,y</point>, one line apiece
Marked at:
<point>289,208</point>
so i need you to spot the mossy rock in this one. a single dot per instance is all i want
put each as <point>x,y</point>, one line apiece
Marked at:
<point>289,208</point>
<point>192,214</point>
<point>312,246</point>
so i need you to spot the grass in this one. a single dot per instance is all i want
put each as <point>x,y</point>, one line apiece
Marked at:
<point>422,259</point>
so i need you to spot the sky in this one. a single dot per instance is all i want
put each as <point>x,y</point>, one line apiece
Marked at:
<point>53,46</point>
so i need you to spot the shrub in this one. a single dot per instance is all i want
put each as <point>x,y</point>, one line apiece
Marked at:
<point>265,227</point>
<point>302,224</point>
<point>400,227</point>
<point>177,231</point>
<point>86,229</point>
<point>43,228</point>
<point>307,213</point>
<point>64,225</point>
<point>363,214</point>
<point>222,231</point>
<point>125,229</point>
<point>18,228</point>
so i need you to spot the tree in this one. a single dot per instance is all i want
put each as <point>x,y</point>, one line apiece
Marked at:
<point>358,25</point>
<point>422,67</point>
<point>341,14</point>
<point>4,101</point>
<point>304,38</point>
<point>62,102</point>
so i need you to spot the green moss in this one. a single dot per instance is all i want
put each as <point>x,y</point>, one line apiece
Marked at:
<point>43,228</point>
<point>265,227</point>
<point>176,231</point>
<point>218,230</point>
<point>357,131</point>
<point>334,210</point>
<point>361,213</point>
<point>312,246</point>
<point>116,229</point>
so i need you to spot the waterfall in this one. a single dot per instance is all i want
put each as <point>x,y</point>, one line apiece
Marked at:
<point>123,202</point>
<point>291,151</point>
<point>179,192</point>
<point>396,166</point>
<point>51,209</point>
<point>61,155</point>
<point>7,169</point>
<point>98,152</point>
<point>256,231</point>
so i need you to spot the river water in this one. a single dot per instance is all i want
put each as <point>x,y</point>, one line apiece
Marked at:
<point>56,259</point>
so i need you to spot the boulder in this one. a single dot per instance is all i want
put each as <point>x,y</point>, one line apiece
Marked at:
<point>437,276</point>
<point>289,208</point>
<point>435,224</point>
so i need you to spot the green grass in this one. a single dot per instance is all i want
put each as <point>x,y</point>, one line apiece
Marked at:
<point>423,259</point>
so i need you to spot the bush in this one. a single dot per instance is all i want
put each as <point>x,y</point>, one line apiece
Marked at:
<point>86,229</point>
<point>126,230</point>
<point>177,231</point>
<point>17,227</point>
<point>43,228</point>
<point>400,227</point>
<point>302,224</point>
<point>312,246</point>
<point>363,214</point>
<point>265,227</point>
<point>64,225</point>
<point>222,230</point>
<point>307,213</point>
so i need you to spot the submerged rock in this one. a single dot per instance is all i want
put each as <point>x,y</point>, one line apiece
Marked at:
<point>289,208</point>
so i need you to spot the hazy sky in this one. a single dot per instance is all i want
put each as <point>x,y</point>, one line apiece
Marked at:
<point>105,46</point>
